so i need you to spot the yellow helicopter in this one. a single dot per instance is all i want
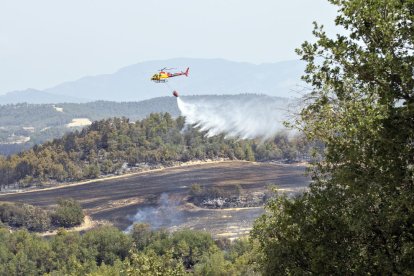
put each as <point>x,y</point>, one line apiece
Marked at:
<point>164,75</point>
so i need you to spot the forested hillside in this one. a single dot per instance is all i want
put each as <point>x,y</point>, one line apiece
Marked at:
<point>25,125</point>
<point>48,115</point>
<point>109,145</point>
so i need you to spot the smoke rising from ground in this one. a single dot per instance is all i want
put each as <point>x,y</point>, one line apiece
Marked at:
<point>165,215</point>
<point>245,117</point>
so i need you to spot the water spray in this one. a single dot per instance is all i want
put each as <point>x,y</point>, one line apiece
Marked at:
<point>243,117</point>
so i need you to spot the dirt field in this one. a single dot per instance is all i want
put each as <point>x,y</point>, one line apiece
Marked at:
<point>157,197</point>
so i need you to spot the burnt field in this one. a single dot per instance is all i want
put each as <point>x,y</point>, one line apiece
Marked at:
<point>158,197</point>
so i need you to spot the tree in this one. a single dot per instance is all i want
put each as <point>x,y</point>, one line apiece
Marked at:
<point>249,155</point>
<point>68,252</point>
<point>141,235</point>
<point>357,217</point>
<point>152,264</point>
<point>107,244</point>
<point>24,215</point>
<point>213,263</point>
<point>68,213</point>
<point>30,255</point>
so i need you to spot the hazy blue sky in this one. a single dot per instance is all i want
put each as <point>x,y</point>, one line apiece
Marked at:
<point>46,42</point>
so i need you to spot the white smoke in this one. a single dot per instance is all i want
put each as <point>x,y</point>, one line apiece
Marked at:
<point>165,215</point>
<point>244,117</point>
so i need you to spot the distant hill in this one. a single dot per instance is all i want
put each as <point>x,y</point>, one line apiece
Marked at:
<point>207,77</point>
<point>52,115</point>
<point>37,97</point>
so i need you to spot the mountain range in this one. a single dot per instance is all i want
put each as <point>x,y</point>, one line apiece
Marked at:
<point>207,77</point>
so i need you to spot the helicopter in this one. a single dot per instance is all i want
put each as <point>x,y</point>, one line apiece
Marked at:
<point>164,75</point>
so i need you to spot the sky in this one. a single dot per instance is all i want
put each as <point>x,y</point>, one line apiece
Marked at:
<point>46,42</point>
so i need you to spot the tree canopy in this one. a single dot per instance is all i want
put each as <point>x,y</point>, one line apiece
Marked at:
<point>108,251</point>
<point>357,217</point>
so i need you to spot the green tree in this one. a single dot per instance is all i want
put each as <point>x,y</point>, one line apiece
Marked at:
<point>214,264</point>
<point>152,264</point>
<point>107,244</point>
<point>31,254</point>
<point>24,215</point>
<point>358,216</point>
<point>69,254</point>
<point>141,235</point>
<point>68,213</point>
<point>249,155</point>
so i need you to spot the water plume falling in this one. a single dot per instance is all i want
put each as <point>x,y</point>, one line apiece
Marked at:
<point>243,117</point>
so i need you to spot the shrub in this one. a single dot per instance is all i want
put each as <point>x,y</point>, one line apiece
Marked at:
<point>69,213</point>
<point>25,215</point>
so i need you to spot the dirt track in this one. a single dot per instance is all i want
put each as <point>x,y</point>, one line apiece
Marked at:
<point>118,199</point>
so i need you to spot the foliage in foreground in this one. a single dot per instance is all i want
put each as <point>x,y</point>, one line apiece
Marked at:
<point>358,217</point>
<point>108,251</point>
